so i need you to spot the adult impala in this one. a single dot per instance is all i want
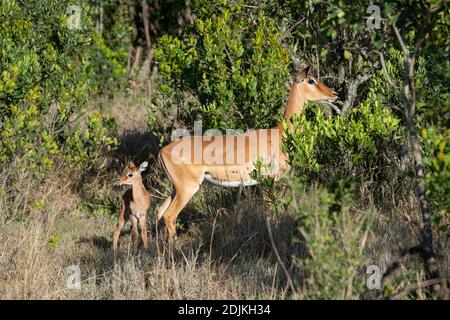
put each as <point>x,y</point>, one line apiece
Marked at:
<point>229,160</point>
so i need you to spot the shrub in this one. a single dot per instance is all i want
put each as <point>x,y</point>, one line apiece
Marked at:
<point>436,144</point>
<point>335,243</point>
<point>321,146</point>
<point>108,54</point>
<point>230,70</point>
<point>45,87</point>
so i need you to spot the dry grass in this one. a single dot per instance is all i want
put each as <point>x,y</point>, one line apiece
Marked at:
<point>37,245</point>
<point>223,251</point>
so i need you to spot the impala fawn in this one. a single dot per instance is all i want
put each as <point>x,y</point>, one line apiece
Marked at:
<point>135,203</point>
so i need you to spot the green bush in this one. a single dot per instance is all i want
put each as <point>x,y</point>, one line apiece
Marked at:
<point>436,144</point>
<point>45,86</point>
<point>108,54</point>
<point>229,70</point>
<point>340,144</point>
<point>335,242</point>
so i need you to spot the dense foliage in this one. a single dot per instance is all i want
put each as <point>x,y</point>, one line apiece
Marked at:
<point>46,83</point>
<point>230,70</point>
<point>229,64</point>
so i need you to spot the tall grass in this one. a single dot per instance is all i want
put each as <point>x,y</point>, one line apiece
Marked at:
<point>318,247</point>
<point>223,251</point>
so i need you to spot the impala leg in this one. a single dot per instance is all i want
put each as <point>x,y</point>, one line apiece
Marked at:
<point>134,232</point>
<point>143,226</point>
<point>116,233</point>
<point>178,203</point>
<point>119,227</point>
<point>162,209</point>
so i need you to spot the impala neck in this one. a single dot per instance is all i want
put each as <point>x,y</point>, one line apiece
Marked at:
<point>139,191</point>
<point>295,103</point>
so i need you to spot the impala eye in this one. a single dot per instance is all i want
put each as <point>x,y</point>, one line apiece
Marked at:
<point>129,175</point>
<point>311,81</point>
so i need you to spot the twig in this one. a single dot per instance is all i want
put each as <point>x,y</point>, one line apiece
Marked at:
<point>83,281</point>
<point>162,195</point>
<point>284,35</point>
<point>386,73</point>
<point>400,40</point>
<point>275,250</point>
<point>336,78</point>
<point>332,105</point>
<point>237,252</point>
<point>422,284</point>
<point>353,91</point>
<point>390,104</point>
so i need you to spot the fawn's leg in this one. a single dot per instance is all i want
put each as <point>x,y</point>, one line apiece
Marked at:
<point>134,232</point>
<point>143,226</point>
<point>119,226</point>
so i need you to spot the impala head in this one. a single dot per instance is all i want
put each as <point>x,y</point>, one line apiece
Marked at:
<point>313,89</point>
<point>132,173</point>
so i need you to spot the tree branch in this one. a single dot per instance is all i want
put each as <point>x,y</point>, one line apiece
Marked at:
<point>400,40</point>
<point>332,105</point>
<point>353,91</point>
<point>386,73</point>
<point>422,284</point>
<point>275,250</point>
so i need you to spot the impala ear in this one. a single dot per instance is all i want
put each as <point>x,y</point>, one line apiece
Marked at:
<point>143,166</point>
<point>302,74</point>
<point>131,164</point>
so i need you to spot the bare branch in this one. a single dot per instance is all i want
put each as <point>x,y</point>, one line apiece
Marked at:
<point>353,91</point>
<point>402,95</point>
<point>400,40</point>
<point>285,34</point>
<point>386,73</point>
<point>332,105</point>
<point>414,286</point>
<point>275,250</point>
<point>336,78</point>
<point>390,104</point>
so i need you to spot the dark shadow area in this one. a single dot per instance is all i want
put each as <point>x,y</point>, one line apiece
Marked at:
<point>99,242</point>
<point>136,146</point>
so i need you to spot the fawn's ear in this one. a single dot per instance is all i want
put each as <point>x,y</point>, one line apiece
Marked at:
<point>131,164</point>
<point>143,166</point>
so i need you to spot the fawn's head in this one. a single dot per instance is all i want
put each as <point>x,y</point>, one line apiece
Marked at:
<point>311,88</point>
<point>132,174</point>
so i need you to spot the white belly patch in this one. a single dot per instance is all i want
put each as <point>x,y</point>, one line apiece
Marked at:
<point>139,215</point>
<point>231,184</point>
